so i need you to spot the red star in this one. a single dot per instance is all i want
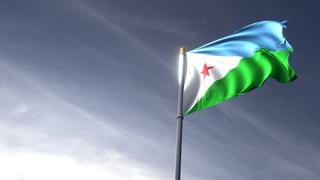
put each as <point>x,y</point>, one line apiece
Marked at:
<point>205,70</point>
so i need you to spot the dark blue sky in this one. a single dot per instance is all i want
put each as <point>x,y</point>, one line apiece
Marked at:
<point>88,90</point>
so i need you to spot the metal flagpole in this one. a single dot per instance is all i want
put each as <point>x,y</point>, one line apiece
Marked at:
<point>182,71</point>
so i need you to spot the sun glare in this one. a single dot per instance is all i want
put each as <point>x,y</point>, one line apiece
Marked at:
<point>34,166</point>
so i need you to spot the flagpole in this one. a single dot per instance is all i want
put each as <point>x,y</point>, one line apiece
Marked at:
<point>182,71</point>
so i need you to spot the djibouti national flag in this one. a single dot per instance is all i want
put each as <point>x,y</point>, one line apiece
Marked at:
<point>236,64</point>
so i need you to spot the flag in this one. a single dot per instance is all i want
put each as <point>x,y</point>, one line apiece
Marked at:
<point>235,64</point>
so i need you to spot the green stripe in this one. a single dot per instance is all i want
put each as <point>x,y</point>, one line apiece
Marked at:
<point>251,73</point>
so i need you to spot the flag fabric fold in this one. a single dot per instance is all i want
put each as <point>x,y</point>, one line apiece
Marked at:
<point>236,64</point>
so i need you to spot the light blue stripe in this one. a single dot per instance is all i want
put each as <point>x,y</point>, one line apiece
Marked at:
<point>246,41</point>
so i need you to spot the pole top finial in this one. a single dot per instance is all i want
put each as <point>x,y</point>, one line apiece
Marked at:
<point>183,50</point>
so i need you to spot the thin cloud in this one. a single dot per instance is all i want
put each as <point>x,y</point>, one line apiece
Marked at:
<point>117,29</point>
<point>45,123</point>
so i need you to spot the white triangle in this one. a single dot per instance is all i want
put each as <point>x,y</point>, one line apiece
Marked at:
<point>196,85</point>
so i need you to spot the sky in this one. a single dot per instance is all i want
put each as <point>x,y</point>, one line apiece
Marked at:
<point>88,90</point>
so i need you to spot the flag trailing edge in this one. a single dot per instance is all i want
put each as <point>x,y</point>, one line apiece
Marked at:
<point>236,64</point>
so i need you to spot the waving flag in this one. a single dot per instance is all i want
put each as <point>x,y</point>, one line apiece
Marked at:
<point>236,64</point>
